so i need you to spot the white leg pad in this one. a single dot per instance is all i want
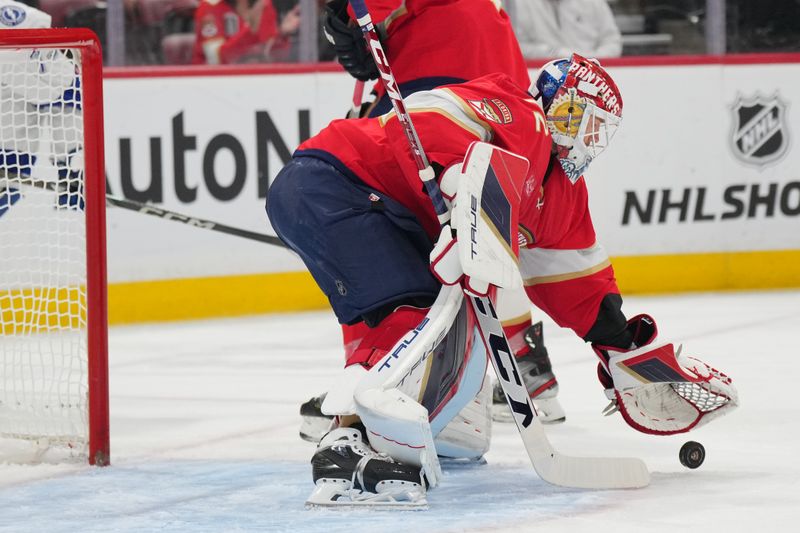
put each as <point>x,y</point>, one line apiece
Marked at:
<point>398,426</point>
<point>469,434</point>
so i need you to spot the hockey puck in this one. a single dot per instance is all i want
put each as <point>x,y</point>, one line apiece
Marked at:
<point>692,454</point>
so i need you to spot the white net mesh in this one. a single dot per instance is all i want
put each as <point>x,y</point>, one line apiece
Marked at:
<point>43,337</point>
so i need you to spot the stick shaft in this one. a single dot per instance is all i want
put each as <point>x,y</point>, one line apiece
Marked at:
<point>159,212</point>
<point>426,173</point>
<point>358,98</point>
<point>552,466</point>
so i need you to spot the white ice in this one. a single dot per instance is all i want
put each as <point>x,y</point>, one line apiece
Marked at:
<point>205,419</point>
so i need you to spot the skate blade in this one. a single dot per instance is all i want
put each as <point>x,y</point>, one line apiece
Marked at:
<point>378,506</point>
<point>336,495</point>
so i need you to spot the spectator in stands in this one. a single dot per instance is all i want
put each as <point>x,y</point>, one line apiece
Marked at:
<point>555,28</point>
<point>233,31</point>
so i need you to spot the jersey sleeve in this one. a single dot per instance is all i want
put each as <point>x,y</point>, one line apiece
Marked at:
<point>566,272</point>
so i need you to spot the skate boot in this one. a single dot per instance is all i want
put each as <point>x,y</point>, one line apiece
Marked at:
<point>537,374</point>
<point>348,472</point>
<point>315,424</point>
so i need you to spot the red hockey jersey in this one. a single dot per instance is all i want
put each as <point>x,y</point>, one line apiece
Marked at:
<point>565,272</point>
<point>424,36</point>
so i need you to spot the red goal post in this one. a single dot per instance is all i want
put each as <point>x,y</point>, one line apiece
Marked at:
<point>53,310</point>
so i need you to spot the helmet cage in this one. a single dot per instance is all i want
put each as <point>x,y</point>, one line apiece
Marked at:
<point>580,125</point>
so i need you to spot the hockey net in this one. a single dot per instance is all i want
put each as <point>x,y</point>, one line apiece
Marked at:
<point>53,327</point>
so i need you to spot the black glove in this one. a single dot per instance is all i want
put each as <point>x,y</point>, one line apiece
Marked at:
<point>348,42</point>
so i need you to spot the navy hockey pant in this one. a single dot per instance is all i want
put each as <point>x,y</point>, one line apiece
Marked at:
<point>364,249</point>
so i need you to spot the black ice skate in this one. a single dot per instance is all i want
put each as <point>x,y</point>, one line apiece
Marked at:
<point>315,424</point>
<point>537,374</point>
<point>348,472</point>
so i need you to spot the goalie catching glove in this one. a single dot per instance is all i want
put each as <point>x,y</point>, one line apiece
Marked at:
<point>658,390</point>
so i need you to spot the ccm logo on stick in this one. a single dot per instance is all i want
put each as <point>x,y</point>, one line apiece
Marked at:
<point>502,355</point>
<point>389,81</point>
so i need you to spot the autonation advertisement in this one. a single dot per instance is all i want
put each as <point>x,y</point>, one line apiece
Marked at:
<point>705,162</point>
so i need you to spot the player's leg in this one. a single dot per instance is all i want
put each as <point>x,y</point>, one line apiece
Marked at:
<point>370,256</point>
<point>418,377</point>
<point>527,341</point>
<point>467,435</point>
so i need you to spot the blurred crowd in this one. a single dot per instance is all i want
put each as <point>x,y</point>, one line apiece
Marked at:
<point>265,31</point>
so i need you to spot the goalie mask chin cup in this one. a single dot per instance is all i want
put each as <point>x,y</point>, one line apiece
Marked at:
<point>583,109</point>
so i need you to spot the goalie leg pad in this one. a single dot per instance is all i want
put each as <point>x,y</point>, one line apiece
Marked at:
<point>398,426</point>
<point>422,382</point>
<point>469,434</point>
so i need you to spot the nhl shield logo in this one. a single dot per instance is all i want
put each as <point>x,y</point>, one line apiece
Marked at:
<point>760,134</point>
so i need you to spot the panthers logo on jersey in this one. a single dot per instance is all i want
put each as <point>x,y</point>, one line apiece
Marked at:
<point>494,110</point>
<point>12,16</point>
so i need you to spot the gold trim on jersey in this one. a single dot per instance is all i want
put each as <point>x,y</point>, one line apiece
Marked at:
<point>469,111</point>
<point>527,235</point>
<point>517,320</point>
<point>396,14</point>
<point>443,102</point>
<point>547,263</point>
<point>529,282</point>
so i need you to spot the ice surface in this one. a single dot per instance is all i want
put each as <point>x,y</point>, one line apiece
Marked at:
<point>205,419</point>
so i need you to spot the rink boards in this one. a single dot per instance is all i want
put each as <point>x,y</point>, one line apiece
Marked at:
<point>698,192</point>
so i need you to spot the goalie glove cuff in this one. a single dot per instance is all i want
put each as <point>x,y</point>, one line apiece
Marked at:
<point>445,263</point>
<point>641,330</point>
<point>448,181</point>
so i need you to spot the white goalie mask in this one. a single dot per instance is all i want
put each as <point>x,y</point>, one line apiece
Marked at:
<point>583,109</point>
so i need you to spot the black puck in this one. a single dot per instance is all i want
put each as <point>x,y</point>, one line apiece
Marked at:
<point>692,454</point>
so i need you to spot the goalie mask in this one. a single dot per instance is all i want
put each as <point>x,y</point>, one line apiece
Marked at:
<point>583,109</point>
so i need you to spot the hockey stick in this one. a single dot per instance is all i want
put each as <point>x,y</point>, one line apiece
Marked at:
<point>552,466</point>
<point>358,98</point>
<point>152,210</point>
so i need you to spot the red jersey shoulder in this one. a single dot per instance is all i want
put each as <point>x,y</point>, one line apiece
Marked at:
<point>502,105</point>
<point>496,84</point>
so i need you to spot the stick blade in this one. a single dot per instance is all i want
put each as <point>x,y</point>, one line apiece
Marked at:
<point>582,472</point>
